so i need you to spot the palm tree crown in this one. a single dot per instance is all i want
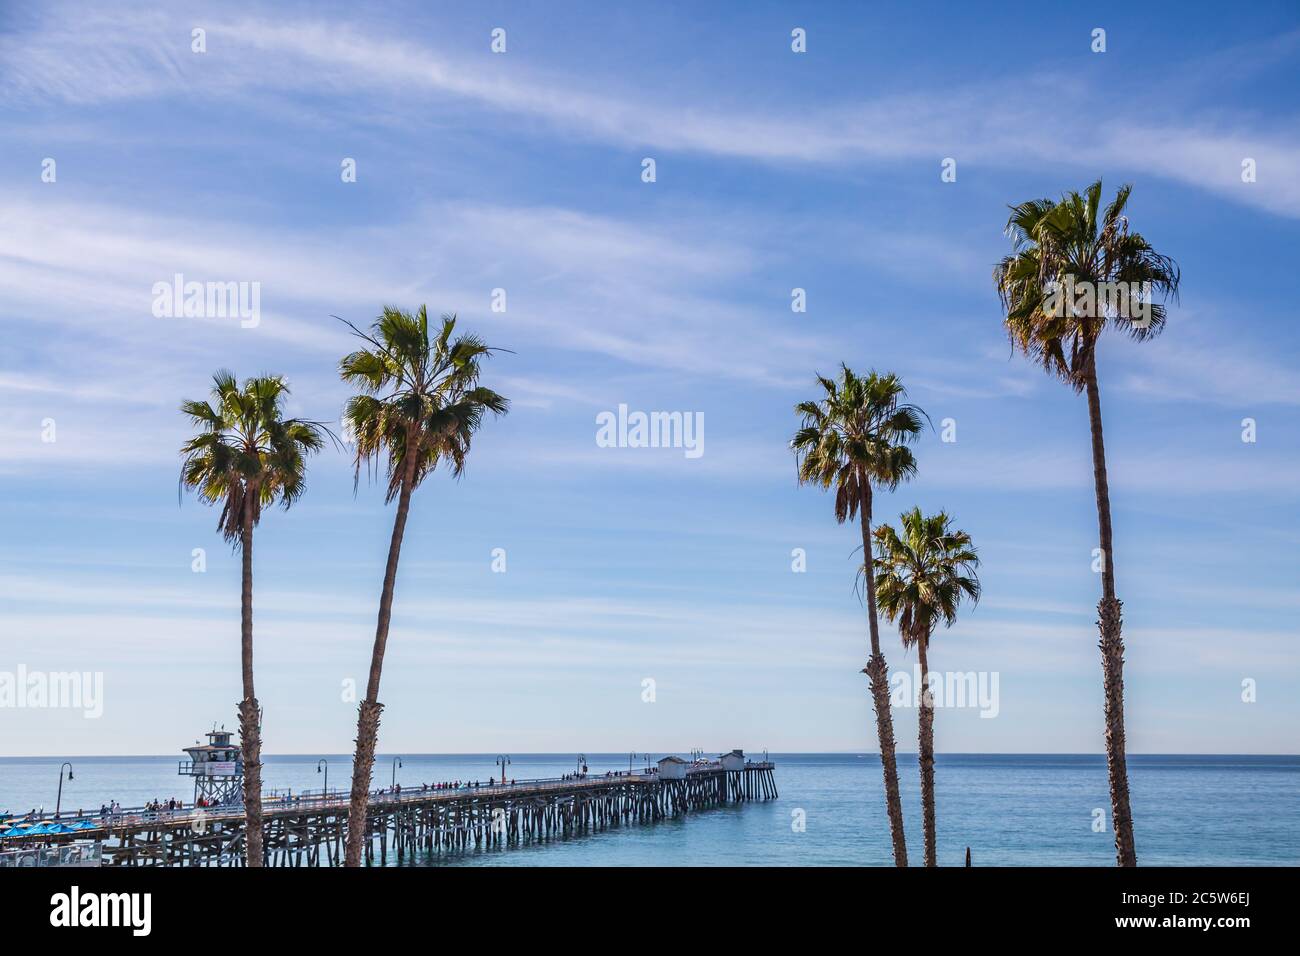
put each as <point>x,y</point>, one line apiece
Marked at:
<point>1075,238</point>
<point>421,401</point>
<point>246,451</point>
<point>923,573</point>
<point>857,435</point>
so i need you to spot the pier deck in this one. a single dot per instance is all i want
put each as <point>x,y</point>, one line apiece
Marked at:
<point>311,830</point>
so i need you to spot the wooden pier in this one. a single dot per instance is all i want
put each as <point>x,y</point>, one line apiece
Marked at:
<point>311,831</point>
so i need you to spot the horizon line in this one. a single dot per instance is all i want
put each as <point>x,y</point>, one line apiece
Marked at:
<point>772,753</point>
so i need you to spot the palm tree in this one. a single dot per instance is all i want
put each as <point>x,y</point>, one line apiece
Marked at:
<point>247,456</point>
<point>1057,245</point>
<point>420,405</point>
<point>855,437</point>
<point>923,574</point>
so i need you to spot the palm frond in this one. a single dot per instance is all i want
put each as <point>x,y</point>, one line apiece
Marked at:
<point>923,570</point>
<point>247,455</point>
<point>856,436</point>
<point>1075,238</point>
<point>420,403</point>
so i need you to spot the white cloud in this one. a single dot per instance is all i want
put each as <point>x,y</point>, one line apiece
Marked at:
<point>636,293</point>
<point>1231,374</point>
<point>1142,469</point>
<point>107,57</point>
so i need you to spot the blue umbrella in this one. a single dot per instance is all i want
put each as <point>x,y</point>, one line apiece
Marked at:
<point>43,828</point>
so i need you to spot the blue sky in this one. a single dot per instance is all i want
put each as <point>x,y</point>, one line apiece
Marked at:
<point>522,171</point>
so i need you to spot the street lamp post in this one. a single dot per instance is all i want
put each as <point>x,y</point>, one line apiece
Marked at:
<point>630,758</point>
<point>503,761</point>
<point>59,800</point>
<point>325,791</point>
<point>397,762</point>
<point>582,764</point>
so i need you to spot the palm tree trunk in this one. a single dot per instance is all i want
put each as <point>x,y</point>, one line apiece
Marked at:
<point>368,713</point>
<point>1109,612</point>
<point>925,752</point>
<point>250,732</point>
<point>878,671</point>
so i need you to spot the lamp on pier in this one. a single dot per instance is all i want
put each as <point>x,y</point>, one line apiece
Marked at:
<point>59,800</point>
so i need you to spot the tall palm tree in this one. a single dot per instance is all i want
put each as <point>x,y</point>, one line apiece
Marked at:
<point>1054,244</point>
<point>421,404</point>
<point>247,456</point>
<point>852,438</point>
<point>922,575</point>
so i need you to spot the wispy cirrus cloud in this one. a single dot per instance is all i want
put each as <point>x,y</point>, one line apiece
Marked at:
<point>1035,123</point>
<point>633,291</point>
<point>596,285</point>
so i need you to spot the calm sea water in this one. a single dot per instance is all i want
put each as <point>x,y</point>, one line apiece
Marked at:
<point>1011,809</point>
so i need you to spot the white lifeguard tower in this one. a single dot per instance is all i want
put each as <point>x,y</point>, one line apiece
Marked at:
<point>217,769</point>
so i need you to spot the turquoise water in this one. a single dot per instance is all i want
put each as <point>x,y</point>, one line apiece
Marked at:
<point>1013,809</point>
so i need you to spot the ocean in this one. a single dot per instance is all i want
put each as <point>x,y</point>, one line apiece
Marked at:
<point>1010,809</point>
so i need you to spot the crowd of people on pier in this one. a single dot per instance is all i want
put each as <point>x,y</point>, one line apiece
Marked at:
<point>396,789</point>
<point>112,808</point>
<point>155,805</point>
